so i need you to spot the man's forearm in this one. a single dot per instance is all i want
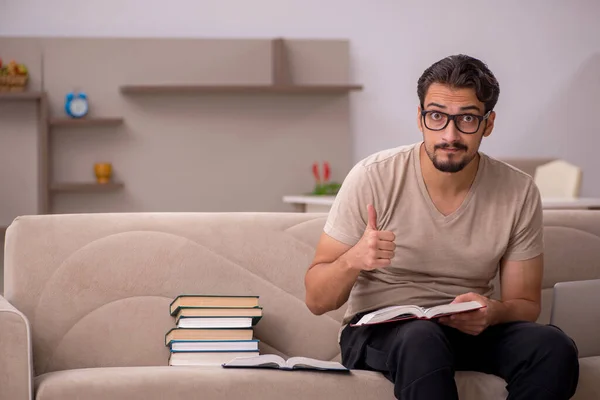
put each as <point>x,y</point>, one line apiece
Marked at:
<point>516,310</point>
<point>328,285</point>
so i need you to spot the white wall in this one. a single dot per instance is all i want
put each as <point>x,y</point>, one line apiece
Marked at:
<point>545,53</point>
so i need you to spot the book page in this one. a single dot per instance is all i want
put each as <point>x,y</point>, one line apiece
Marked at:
<point>452,308</point>
<point>390,312</point>
<point>304,362</point>
<point>262,360</point>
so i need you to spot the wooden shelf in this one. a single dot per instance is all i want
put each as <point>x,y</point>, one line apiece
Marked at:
<point>282,82</point>
<point>91,187</point>
<point>21,95</point>
<point>239,89</point>
<point>87,122</point>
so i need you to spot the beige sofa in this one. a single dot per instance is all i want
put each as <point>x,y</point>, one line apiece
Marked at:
<point>86,305</point>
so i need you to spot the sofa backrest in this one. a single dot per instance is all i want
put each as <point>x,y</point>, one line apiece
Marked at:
<point>96,288</point>
<point>527,164</point>
<point>571,250</point>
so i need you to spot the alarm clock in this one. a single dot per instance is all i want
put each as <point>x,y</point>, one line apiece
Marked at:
<point>76,104</point>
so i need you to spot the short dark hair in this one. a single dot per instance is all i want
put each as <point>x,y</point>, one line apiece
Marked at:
<point>461,71</point>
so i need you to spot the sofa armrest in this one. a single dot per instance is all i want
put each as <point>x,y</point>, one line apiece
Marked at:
<point>15,354</point>
<point>576,310</point>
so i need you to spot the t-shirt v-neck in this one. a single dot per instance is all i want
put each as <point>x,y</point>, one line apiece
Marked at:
<point>435,213</point>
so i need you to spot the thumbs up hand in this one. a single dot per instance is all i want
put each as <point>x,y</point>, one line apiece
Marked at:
<point>375,249</point>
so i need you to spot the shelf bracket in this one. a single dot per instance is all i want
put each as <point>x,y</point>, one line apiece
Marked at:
<point>280,63</point>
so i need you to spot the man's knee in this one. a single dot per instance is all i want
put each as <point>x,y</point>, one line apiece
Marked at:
<point>421,332</point>
<point>554,360</point>
<point>424,340</point>
<point>421,358</point>
<point>554,344</point>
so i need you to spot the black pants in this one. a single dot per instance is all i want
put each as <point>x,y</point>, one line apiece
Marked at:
<point>420,357</point>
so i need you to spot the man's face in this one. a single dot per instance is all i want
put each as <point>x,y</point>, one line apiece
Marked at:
<point>449,149</point>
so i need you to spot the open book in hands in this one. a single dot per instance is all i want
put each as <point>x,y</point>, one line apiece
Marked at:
<point>397,313</point>
<point>276,362</point>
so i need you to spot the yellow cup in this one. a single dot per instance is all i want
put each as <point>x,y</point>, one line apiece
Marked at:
<point>103,172</point>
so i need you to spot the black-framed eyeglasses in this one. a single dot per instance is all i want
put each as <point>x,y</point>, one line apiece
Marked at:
<point>466,123</point>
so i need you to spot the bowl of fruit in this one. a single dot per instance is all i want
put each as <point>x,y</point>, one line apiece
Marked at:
<point>13,76</point>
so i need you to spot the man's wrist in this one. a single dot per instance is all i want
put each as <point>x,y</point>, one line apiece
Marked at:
<point>347,265</point>
<point>513,310</point>
<point>499,312</point>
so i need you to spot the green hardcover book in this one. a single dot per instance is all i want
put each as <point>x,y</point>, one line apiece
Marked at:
<point>213,301</point>
<point>208,334</point>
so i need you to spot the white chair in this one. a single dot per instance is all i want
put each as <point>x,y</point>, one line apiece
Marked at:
<point>558,179</point>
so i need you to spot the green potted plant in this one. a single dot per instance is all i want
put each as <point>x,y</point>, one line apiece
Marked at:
<point>323,186</point>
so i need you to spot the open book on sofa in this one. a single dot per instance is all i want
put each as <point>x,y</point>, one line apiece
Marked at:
<point>397,313</point>
<point>276,362</point>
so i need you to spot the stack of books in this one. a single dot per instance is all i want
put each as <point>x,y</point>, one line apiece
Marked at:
<point>212,330</point>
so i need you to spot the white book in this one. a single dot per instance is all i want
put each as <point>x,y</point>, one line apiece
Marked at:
<point>276,362</point>
<point>213,345</point>
<point>215,322</point>
<point>205,358</point>
<point>397,313</point>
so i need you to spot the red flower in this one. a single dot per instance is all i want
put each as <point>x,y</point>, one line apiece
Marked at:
<point>315,169</point>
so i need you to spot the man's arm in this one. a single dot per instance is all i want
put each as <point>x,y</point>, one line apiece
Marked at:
<point>329,278</point>
<point>336,265</point>
<point>522,266</point>
<point>521,283</point>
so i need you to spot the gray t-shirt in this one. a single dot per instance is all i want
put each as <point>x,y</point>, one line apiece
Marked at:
<point>437,257</point>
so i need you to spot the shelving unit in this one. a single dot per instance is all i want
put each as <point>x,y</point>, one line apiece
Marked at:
<point>45,187</point>
<point>281,82</point>
<point>239,89</point>
<point>81,187</point>
<point>41,100</point>
<point>11,96</point>
<point>84,187</point>
<point>87,122</point>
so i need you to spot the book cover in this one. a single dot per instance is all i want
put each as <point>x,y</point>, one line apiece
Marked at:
<point>213,300</point>
<point>208,334</point>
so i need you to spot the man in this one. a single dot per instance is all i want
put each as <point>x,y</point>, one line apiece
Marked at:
<point>432,223</point>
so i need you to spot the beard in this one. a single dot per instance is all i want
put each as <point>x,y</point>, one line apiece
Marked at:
<point>451,165</point>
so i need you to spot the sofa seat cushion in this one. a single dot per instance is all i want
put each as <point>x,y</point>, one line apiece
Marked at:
<point>474,385</point>
<point>589,379</point>
<point>477,386</point>
<point>208,383</point>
